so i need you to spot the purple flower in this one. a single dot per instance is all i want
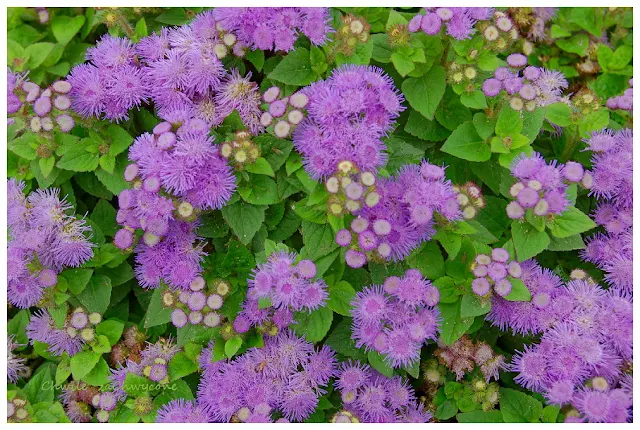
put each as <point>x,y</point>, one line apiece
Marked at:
<point>15,364</point>
<point>182,411</point>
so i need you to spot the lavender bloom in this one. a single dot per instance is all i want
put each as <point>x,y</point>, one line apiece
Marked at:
<point>182,411</point>
<point>404,216</point>
<point>371,397</point>
<point>459,21</point>
<point>495,271</point>
<point>44,237</point>
<point>397,318</point>
<point>286,375</point>
<point>42,328</point>
<point>624,101</point>
<point>111,83</point>
<point>347,115</point>
<point>241,94</point>
<point>274,28</point>
<point>288,286</point>
<point>15,364</point>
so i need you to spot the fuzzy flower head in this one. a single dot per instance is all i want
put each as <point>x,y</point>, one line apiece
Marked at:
<point>495,272</point>
<point>396,319</point>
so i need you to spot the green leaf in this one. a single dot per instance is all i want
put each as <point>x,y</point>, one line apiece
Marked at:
<point>550,414</point>
<point>101,345</point>
<point>340,340</point>
<point>318,239</point>
<point>136,385</point>
<point>260,190</point>
<point>517,407</point>
<point>25,146</point>
<point>480,417</point>
<point>260,167</point>
<point>244,219</point>
<point>156,312</point>
<point>46,165</point>
<point>509,122</point>
<point>37,53</point>
<point>77,279</point>
<point>112,329</point>
<point>40,387</point>
<point>256,57</point>
<point>65,27</point>
<point>104,215</point>
<point>572,221</point>
<point>474,100</point>
<point>428,259</point>
<point>473,305</point>
<point>446,410</point>
<point>95,297</point>
<point>77,159</point>
<point>528,241</point>
<point>559,114</point>
<point>566,244</point>
<point>181,365</point>
<point>576,44</point>
<point>120,139</point>
<point>17,327</point>
<point>63,371</point>
<point>378,362</point>
<point>453,325</point>
<point>465,143</point>
<point>484,125</point>
<point>362,54</point>
<point>593,122</point>
<point>423,128</point>
<point>340,296</point>
<point>294,69</point>
<point>402,63</point>
<point>519,291</point>
<point>424,93</point>
<point>232,346</point>
<point>313,326</point>
<point>82,363</point>
<point>99,375</point>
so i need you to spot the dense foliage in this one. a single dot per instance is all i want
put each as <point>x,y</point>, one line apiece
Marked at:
<point>319,215</point>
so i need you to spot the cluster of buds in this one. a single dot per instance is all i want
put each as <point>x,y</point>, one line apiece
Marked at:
<point>365,241</point>
<point>399,35</point>
<point>470,199</point>
<point>499,32</point>
<point>485,393</point>
<point>241,150</point>
<point>463,355</point>
<point>495,271</point>
<point>78,400</point>
<point>199,305</point>
<point>282,113</point>
<point>42,110</point>
<point>82,324</point>
<point>351,189</point>
<point>129,348</point>
<point>104,403</point>
<point>461,74</point>
<point>353,31</point>
<point>344,417</point>
<point>585,101</point>
<point>17,410</point>
<point>531,22</point>
<point>624,101</point>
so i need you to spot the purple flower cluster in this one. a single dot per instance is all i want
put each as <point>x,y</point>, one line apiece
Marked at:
<point>396,319</point>
<point>44,238</point>
<point>287,375</point>
<point>274,28</point>
<point>199,305</point>
<point>588,343</point>
<point>286,286</point>
<point>15,364</point>
<point>495,271</point>
<point>613,186</point>
<point>77,329</point>
<point>370,397</point>
<point>542,187</point>
<point>347,115</point>
<point>184,71</point>
<point>403,218</point>
<point>459,20</point>
<point>41,109</point>
<point>182,411</point>
<point>153,365</point>
<point>351,190</point>
<point>624,101</point>
<point>111,83</point>
<point>534,316</point>
<point>285,111</point>
<point>527,87</point>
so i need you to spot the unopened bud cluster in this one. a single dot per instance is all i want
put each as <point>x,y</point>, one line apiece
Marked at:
<point>585,102</point>
<point>240,151</point>
<point>42,110</point>
<point>17,410</point>
<point>344,417</point>
<point>399,35</point>
<point>129,348</point>
<point>464,74</point>
<point>82,324</point>
<point>470,199</point>
<point>200,305</point>
<point>494,271</point>
<point>499,32</point>
<point>465,354</point>
<point>352,31</point>
<point>487,394</point>
<point>104,404</point>
<point>282,113</point>
<point>351,189</point>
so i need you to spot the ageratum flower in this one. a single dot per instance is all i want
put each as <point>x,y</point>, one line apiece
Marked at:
<point>182,411</point>
<point>459,21</point>
<point>396,319</point>
<point>15,364</point>
<point>275,28</point>
<point>286,376</point>
<point>44,238</point>
<point>347,116</point>
<point>287,285</point>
